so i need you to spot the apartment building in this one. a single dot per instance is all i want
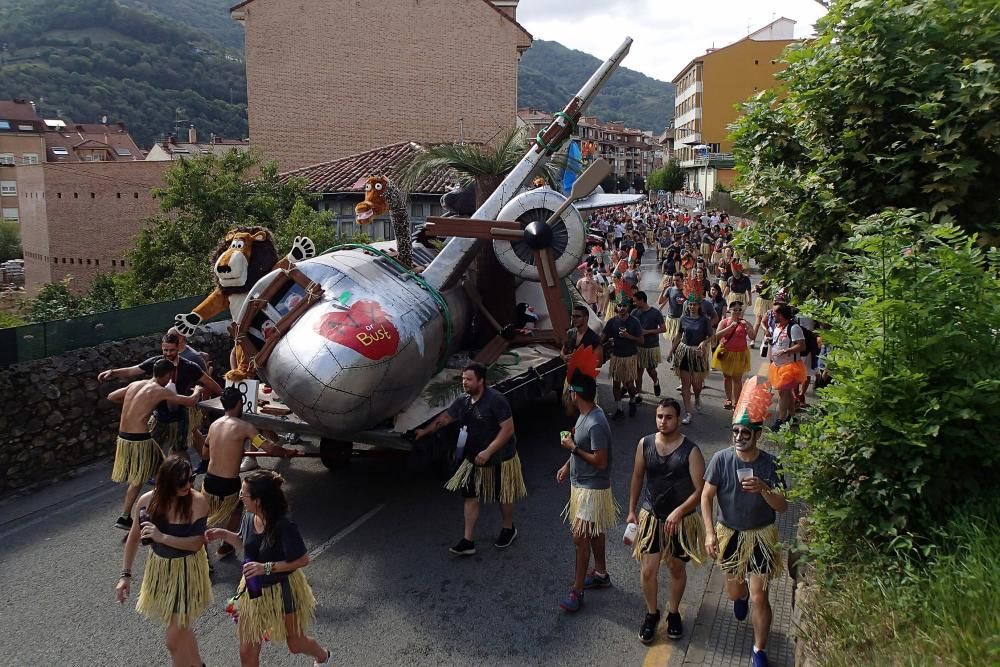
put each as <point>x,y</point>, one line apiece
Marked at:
<point>632,153</point>
<point>709,88</point>
<point>173,148</point>
<point>333,78</point>
<point>21,142</point>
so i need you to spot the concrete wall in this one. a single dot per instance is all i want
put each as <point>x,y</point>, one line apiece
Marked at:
<point>79,219</point>
<point>332,78</point>
<point>57,418</point>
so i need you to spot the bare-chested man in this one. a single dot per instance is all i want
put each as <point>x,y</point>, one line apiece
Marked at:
<point>225,442</point>
<point>137,456</point>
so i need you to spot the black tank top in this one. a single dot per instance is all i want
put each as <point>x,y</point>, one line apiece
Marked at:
<point>668,478</point>
<point>178,530</point>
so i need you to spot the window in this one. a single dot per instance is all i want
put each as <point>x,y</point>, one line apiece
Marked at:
<point>4,124</point>
<point>26,127</point>
<point>29,158</point>
<point>7,159</point>
<point>417,210</point>
<point>10,215</point>
<point>60,150</point>
<point>92,157</point>
<point>122,151</point>
<point>8,188</point>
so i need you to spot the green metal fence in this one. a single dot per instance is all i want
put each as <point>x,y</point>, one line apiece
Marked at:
<point>37,341</point>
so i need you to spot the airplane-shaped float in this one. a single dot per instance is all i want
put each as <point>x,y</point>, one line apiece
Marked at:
<point>350,339</point>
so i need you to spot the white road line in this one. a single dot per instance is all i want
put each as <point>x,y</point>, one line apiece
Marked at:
<point>320,549</point>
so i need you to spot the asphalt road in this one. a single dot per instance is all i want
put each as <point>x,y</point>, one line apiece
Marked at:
<point>388,590</point>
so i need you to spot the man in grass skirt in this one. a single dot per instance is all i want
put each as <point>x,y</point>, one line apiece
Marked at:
<point>490,471</point>
<point>667,479</point>
<point>748,484</point>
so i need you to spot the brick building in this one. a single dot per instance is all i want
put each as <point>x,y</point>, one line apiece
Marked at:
<point>332,78</point>
<point>80,219</point>
<point>174,148</point>
<point>21,142</point>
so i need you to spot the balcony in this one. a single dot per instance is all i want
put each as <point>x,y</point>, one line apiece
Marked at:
<point>717,160</point>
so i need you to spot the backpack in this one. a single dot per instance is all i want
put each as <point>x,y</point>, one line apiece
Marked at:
<point>812,342</point>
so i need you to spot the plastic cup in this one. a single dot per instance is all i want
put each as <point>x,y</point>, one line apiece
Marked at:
<point>563,435</point>
<point>628,539</point>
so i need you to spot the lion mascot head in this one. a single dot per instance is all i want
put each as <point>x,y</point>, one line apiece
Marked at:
<point>245,255</point>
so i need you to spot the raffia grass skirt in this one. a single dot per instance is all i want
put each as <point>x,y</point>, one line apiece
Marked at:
<point>762,306</point>
<point>483,480</point>
<point>172,436</point>
<point>732,364</point>
<point>649,357</point>
<point>673,325</point>
<point>590,512</point>
<point>175,587</point>
<point>220,508</point>
<point>697,362</point>
<point>762,540</point>
<point>691,537</point>
<point>265,615</point>
<point>136,461</point>
<point>623,369</point>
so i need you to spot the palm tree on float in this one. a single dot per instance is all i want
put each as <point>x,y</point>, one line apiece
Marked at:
<point>485,165</point>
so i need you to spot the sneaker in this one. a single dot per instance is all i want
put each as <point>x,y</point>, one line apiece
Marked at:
<point>687,418</point>
<point>758,658</point>
<point>680,387</point>
<point>648,630</point>
<point>753,345</point>
<point>656,390</point>
<point>741,607</point>
<point>248,463</point>
<point>573,600</point>
<point>619,413</point>
<point>637,399</point>
<point>506,537</point>
<point>777,425</point>
<point>675,627</point>
<point>463,548</point>
<point>124,523</point>
<point>316,663</point>
<point>594,580</point>
<point>632,407</point>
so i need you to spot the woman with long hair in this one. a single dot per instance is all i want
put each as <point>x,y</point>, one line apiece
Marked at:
<point>689,353</point>
<point>175,585</point>
<point>274,599</point>
<point>718,299</point>
<point>732,356</point>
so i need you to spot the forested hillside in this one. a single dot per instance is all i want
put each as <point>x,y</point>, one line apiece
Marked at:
<point>84,59</point>
<point>550,74</point>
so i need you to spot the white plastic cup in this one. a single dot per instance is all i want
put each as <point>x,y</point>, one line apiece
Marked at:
<point>628,539</point>
<point>744,474</point>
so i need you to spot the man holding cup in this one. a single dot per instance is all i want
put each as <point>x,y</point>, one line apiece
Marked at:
<point>591,509</point>
<point>669,528</point>
<point>748,484</point>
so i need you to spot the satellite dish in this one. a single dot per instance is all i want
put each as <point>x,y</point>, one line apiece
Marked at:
<point>104,120</point>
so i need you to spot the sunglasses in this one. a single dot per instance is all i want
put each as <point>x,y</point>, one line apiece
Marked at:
<point>742,432</point>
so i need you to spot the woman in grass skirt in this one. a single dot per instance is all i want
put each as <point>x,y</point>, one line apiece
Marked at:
<point>732,356</point>
<point>689,354</point>
<point>273,557</point>
<point>175,585</point>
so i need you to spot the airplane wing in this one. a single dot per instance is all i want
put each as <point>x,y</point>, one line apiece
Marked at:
<point>601,199</point>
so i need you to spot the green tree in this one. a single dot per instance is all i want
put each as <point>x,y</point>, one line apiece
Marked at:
<point>10,241</point>
<point>673,176</point>
<point>894,104</point>
<point>201,200</point>
<point>54,301</point>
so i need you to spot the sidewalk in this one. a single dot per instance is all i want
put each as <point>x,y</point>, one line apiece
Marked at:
<point>716,638</point>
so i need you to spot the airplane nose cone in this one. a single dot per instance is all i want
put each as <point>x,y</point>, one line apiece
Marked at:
<point>538,235</point>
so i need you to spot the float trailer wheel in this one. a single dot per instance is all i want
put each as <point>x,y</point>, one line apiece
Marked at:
<point>335,454</point>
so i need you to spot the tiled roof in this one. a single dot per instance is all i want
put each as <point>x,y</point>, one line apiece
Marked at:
<point>77,136</point>
<point>15,110</point>
<point>348,174</point>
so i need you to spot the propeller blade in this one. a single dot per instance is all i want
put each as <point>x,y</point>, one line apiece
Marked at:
<point>558,313</point>
<point>583,186</point>
<point>468,227</point>
<point>507,234</point>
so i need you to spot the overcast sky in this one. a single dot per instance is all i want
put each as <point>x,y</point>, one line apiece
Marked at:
<point>667,33</point>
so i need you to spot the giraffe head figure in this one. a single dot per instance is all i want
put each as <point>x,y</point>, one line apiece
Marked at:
<point>376,202</point>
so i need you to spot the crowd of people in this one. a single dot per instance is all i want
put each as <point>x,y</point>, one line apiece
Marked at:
<point>700,309</point>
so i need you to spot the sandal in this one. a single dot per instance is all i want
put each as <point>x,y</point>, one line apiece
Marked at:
<point>728,405</point>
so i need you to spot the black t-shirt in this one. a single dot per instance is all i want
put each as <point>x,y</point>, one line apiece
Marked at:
<point>740,284</point>
<point>288,545</point>
<point>590,339</point>
<point>185,376</point>
<point>622,347</point>
<point>483,419</point>
<point>651,318</point>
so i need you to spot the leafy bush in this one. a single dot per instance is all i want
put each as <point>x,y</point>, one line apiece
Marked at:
<point>942,613</point>
<point>10,241</point>
<point>907,431</point>
<point>893,105</point>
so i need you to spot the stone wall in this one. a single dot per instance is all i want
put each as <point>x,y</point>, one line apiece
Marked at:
<point>56,417</point>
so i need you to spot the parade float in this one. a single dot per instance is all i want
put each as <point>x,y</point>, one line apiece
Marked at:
<point>364,343</point>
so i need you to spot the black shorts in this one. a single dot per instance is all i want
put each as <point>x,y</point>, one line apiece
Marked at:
<point>673,546</point>
<point>758,559</point>
<point>221,486</point>
<point>468,490</point>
